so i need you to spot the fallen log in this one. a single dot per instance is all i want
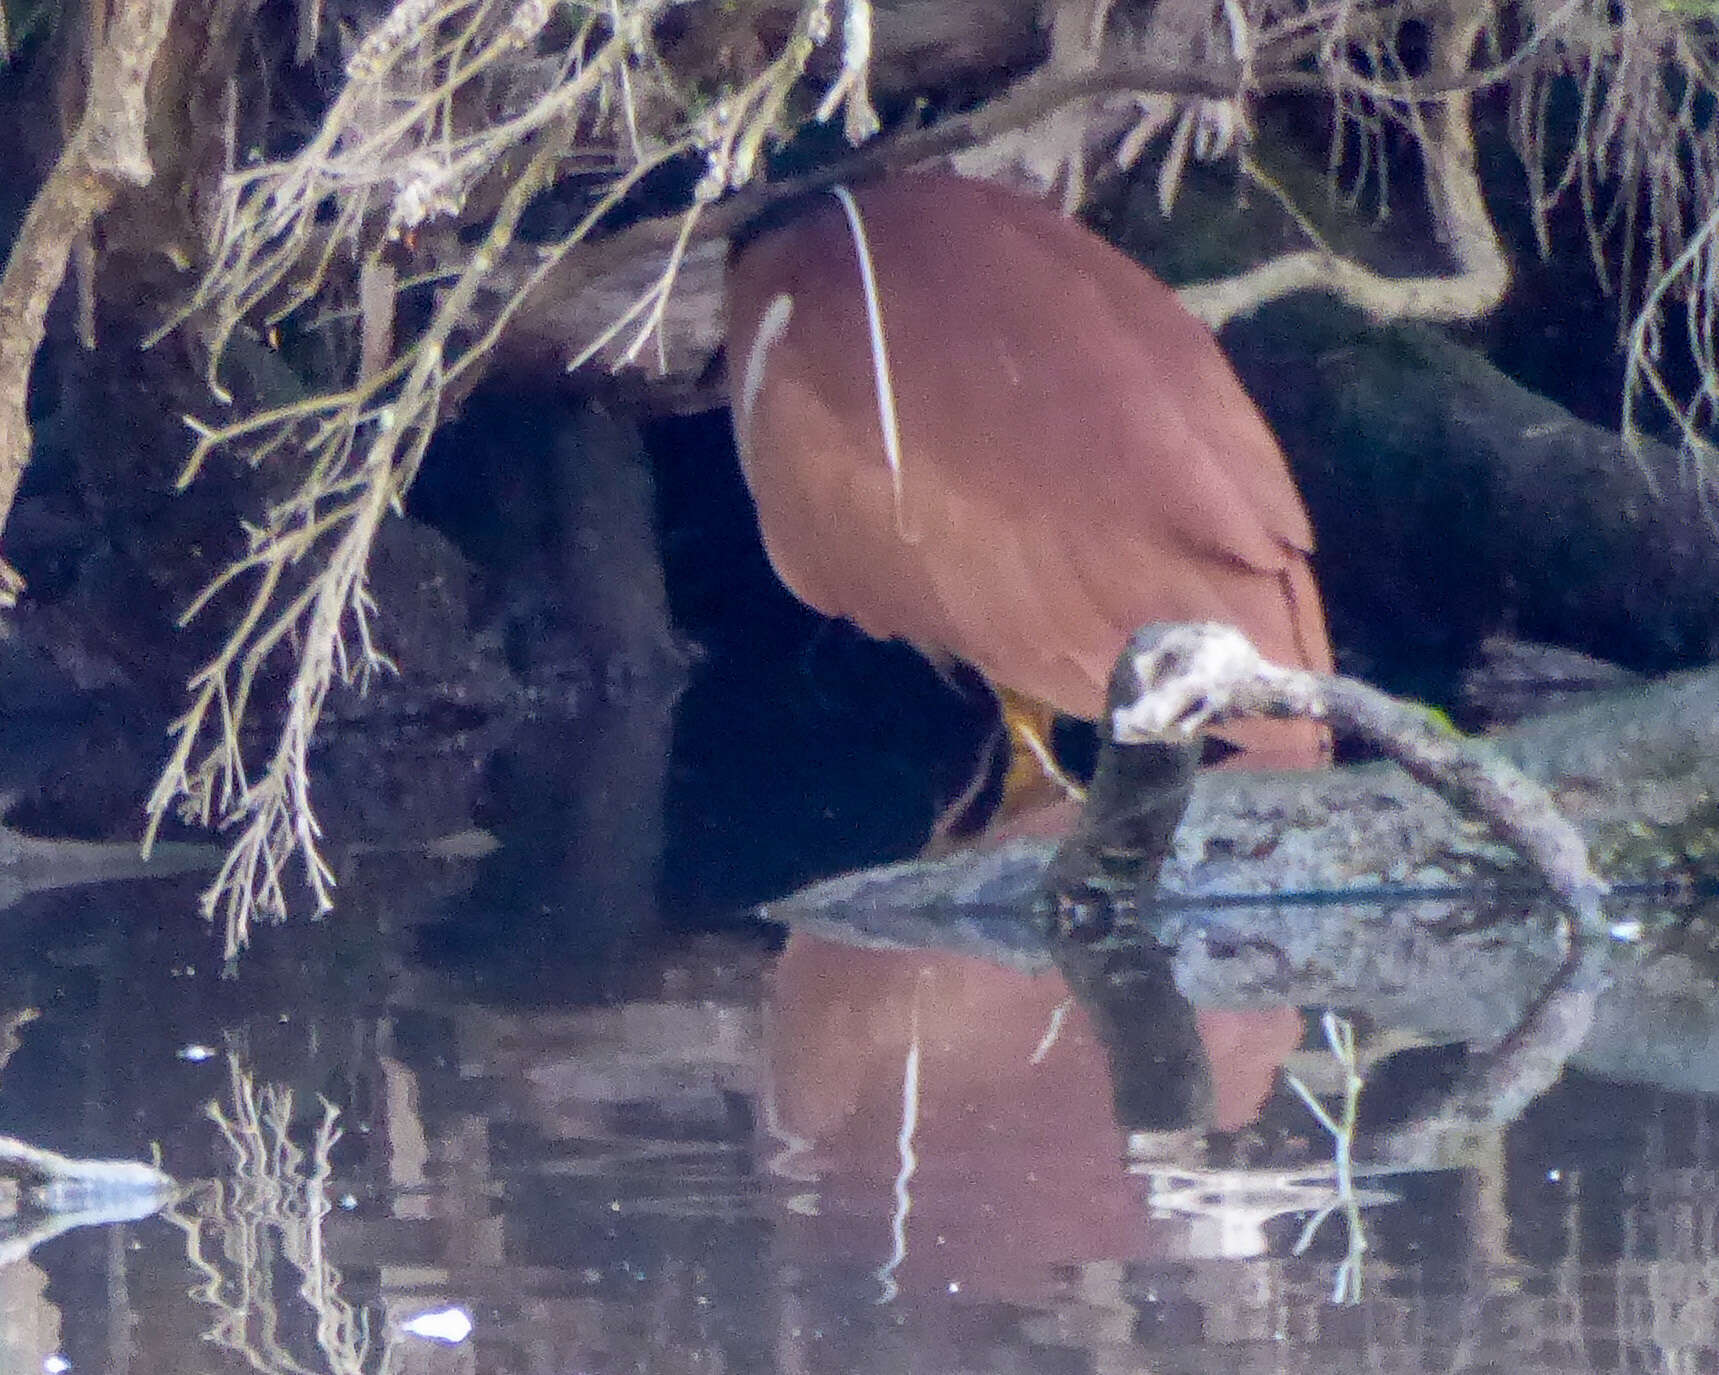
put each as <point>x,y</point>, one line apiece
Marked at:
<point>1363,889</point>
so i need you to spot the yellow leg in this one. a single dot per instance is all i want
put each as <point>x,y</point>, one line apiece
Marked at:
<point>1036,792</point>
<point>1032,763</point>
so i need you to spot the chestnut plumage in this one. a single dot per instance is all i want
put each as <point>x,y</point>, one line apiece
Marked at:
<point>1014,448</point>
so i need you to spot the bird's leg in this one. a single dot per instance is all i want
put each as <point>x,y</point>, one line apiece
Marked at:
<point>1032,761</point>
<point>1035,797</point>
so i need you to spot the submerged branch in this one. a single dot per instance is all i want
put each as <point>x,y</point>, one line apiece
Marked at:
<point>55,1183</point>
<point>1190,677</point>
<point>1358,889</point>
<point>1636,773</point>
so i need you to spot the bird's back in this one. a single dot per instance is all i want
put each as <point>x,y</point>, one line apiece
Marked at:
<point>1075,456</point>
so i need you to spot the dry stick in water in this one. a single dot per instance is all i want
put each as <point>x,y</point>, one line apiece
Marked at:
<point>1194,676</point>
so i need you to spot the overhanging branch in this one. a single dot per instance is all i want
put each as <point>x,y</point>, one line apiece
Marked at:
<point>104,153</point>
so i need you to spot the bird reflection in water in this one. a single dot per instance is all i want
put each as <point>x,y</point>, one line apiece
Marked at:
<point>1008,1116</point>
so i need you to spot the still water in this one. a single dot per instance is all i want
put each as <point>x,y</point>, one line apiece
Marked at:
<point>406,1148</point>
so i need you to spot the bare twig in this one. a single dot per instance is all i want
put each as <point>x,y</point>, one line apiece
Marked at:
<point>1643,168</point>
<point>388,156</point>
<point>1438,113</point>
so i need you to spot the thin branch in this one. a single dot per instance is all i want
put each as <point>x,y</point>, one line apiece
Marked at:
<point>104,153</point>
<point>1193,676</point>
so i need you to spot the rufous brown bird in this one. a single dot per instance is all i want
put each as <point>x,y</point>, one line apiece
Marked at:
<point>969,423</point>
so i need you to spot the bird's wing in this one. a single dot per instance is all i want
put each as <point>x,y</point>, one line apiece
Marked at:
<point>1072,461</point>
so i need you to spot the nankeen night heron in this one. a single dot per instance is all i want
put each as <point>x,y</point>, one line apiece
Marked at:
<point>970,424</point>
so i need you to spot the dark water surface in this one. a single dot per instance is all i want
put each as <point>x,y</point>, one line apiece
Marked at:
<point>697,1152</point>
